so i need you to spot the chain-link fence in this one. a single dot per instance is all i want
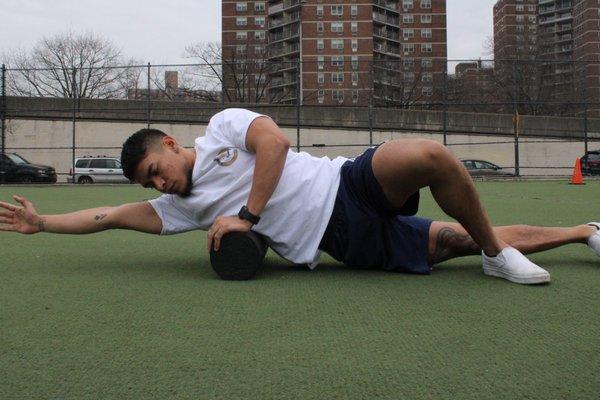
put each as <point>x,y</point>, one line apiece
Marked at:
<point>532,117</point>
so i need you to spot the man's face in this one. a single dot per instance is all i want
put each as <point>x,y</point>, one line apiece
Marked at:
<point>165,169</point>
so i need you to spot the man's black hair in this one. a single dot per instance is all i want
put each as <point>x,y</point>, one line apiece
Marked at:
<point>135,147</point>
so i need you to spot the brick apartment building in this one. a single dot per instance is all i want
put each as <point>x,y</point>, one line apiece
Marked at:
<point>338,52</point>
<point>562,36</point>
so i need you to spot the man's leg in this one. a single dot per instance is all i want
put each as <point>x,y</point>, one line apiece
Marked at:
<point>449,240</point>
<point>402,167</point>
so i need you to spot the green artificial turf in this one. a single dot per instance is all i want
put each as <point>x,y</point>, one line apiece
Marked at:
<point>124,315</point>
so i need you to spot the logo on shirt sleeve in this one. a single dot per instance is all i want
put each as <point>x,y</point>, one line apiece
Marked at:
<point>227,156</point>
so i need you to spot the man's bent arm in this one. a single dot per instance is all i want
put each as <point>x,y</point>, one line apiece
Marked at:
<point>25,219</point>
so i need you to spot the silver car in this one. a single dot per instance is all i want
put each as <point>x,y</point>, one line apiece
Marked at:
<point>484,168</point>
<point>97,170</point>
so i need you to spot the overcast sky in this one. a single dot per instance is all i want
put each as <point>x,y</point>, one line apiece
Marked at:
<point>158,31</point>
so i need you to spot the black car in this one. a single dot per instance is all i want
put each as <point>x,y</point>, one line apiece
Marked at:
<point>16,169</point>
<point>590,163</point>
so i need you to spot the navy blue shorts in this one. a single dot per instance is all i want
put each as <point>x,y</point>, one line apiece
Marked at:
<point>366,231</point>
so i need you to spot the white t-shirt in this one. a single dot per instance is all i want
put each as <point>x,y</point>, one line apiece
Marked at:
<point>296,215</point>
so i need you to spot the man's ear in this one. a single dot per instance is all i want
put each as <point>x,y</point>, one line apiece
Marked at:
<point>169,142</point>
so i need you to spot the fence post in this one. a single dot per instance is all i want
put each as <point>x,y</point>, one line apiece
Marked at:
<point>585,112</point>
<point>445,106</point>
<point>148,97</point>
<point>74,117</point>
<point>3,116</point>
<point>372,71</point>
<point>298,92</point>
<point>516,119</point>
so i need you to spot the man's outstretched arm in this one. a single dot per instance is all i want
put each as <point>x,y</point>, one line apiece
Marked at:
<point>23,218</point>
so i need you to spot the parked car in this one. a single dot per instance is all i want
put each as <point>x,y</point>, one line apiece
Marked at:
<point>99,169</point>
<point>484,168</point>
<point>16,169</point>
<point>590,163</point>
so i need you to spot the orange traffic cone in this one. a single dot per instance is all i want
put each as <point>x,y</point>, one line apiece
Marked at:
<point>577,178</point>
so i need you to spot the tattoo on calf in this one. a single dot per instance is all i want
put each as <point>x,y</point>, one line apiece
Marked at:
<point>100,217</point>
<point>450,244</point>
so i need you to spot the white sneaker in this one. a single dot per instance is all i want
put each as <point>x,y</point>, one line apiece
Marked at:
<point>510,264</point>
<point>594,240</point>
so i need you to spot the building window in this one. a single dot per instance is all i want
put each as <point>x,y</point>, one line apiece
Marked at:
<point>259,21</point>
<point>426,19</point>
<point>320,78</point>
<point>425,3</point>
<point>259,35</point>
<point>321,95</point>
<point>427,77</point>
<point>319,11</point>
<point>426,33</point>
<point>320,44</point>
<point>337,77</point>
<point>354,27</point>
<point>520,18</point>
<point>337,10</point>
<point>337,96</point>
<point>355,96</point>
<point>409,76</point>
<point>408,18</point>
<point>320,27</point>
<point>426,47</point>
<point>426,63</point>
<point>241,7</point>
<point>427,91</point>
<point>354,10</point>
<point>320,62</point>
<point>337,27</point>
<point>407,4</point>
<point>240,48</point>
<point>258,50</point>
<point>337,44</point>
<point>408,33</point>
<point>354,62</point>
<point>355,79</point>
<point>259,6</point>
<point>337,61</point>
<point>241,35</point>
<point>241,21</point>
<point>532,18</point>
<point>520,7</point>
<point>408,47</point>
<point>354,45</point>
<point>531,8</point>
<point>408,63</point>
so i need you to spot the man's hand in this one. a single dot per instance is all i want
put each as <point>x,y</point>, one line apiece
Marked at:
<point>223,225</point>
<point>24,219</point>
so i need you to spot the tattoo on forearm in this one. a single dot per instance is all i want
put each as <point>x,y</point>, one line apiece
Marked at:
<point>100,217</point>
<point>450,244</point>
<point>40,224</point>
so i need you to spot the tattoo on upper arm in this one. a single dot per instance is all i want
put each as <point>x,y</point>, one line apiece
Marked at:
<point>100,217</point>
<point>450,244</point>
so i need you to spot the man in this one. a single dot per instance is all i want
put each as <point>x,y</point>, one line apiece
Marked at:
<point>241,176</point>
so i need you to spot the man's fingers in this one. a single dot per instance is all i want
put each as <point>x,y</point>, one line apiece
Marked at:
<point>4,220</point>
<point>7,214</point>
<point>22,200</point>
<point>8,206</point>
<point>7,228</point>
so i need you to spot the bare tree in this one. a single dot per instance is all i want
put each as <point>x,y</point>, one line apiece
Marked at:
<point>243,77</point>
<point>48,68</point>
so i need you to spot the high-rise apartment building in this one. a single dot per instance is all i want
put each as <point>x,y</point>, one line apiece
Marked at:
<point>343,52</point>
<point>515,29</point>
<point>586,50</point>
<point>561,37</point>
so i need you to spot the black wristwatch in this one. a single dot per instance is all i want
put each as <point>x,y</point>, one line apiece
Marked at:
<point>248,216</point>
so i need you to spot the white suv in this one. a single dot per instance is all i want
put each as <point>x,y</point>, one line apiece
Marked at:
<point>99,169</point>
